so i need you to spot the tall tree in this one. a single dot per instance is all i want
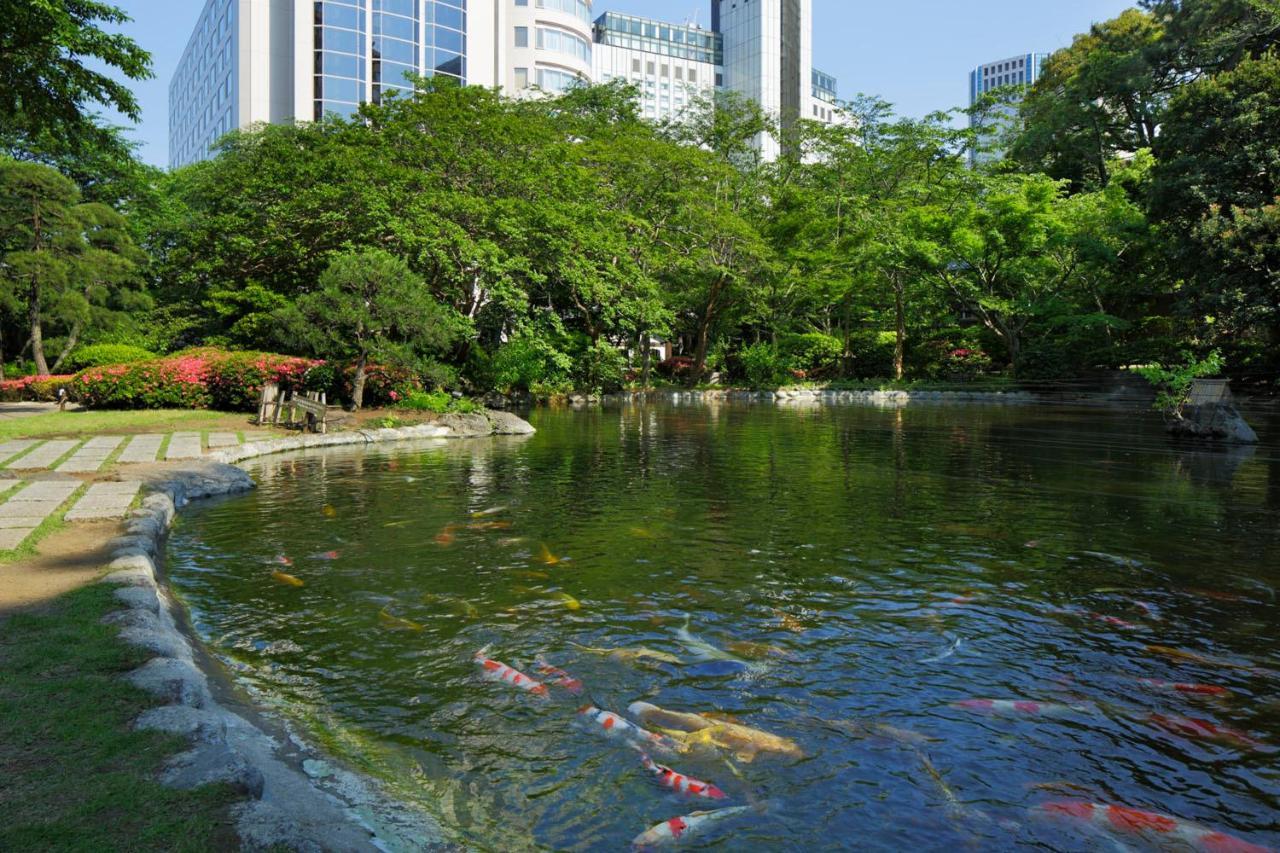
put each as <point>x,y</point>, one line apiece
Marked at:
<point>48,79</point>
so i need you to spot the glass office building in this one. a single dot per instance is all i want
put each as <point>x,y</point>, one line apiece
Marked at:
<point>1015,76</point>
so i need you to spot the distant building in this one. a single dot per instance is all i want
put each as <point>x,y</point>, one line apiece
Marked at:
<point>279,61</point>
<point>1020,73</point>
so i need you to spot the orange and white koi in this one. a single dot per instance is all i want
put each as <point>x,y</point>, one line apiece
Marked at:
<point>1182,687</point>
<point>680,783</point>
<point>671,832</point>
<point>498,671</point>
<point>563,680</point>
<point>1020,707</point>
<point>1194,729</point>
<point>329,555</point>
<point>282,560</point>
<point>1121,820</point>
<point>615,726</point>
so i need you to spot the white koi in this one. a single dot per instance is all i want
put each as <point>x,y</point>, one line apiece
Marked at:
<point>680,783</point>
<point>498,671</point>
<point>671,832</point>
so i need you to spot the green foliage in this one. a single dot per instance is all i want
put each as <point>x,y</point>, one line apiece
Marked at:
<point>1174,382</point>
<point>599,368</point>
<point>763,366</point>
<point>529,363</point>
<point>440,402</point>
<point>816,354</point>
<point>97,355</point>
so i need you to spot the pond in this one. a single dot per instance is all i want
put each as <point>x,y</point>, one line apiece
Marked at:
<point>858,582</point>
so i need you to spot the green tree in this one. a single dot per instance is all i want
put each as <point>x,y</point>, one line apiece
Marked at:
<point>46,83</point>
<point>369,307</point>
<point>71,264</point>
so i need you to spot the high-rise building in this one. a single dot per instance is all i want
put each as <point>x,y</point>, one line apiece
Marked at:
<point>1015,75</point>
<point>252,61</point>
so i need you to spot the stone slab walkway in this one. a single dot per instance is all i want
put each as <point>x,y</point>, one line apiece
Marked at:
<point>10,449</point>
<point>28,508</point>
<point>105,500</point>
<point>184,445</point>
<point>223,439</point>
<point>46,454</point>
<point>91,455</point>
<point>143,448</point>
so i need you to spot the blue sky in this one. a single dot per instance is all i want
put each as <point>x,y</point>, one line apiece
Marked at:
<point>914,53</point>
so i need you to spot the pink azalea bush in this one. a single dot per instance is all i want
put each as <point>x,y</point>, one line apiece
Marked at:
<point>38,388</point>
<point>193,379</point>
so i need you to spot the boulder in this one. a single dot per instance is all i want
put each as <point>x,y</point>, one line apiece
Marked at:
<point>209,764</point>
<point>177,682</point>
<point>1219,422</point>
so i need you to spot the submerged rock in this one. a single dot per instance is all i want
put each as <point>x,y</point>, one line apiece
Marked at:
<point>1220,422</point>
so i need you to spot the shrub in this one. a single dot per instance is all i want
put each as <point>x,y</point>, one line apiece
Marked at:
<point>440,402</point>
<point>676,367</point>
<point>764,366</point>
<point>600,369</point>
<point>98,355</point>
<point>33,388</point>
<point>963,364</point>
<point>195,379</point>
<point>814,353</point>
<point>871,354</point>
<point>526,363</point>
<point>383,385</point>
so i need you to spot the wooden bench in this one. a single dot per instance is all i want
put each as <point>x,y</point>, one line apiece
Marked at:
<point>312,407</point>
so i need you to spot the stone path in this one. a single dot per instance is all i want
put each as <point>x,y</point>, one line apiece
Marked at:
<point>29,507</point>
<point>184,445</point>
<point>91,455</point>
<point>223,439</point>
<point>143,448</point>
<point>105,500</point>
<point>46,454</point>
<point>10,449</point>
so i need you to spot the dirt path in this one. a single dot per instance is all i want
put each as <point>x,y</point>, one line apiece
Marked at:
<point>68,559</point>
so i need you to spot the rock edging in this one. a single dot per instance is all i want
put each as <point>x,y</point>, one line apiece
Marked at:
<point>795,396</point>
<point>284,806</point>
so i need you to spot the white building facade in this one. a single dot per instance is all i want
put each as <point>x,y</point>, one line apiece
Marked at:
<point>279,61</point>
<point>1016,75</point>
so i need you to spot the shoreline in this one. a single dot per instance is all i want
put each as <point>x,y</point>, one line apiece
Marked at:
<point>294,795</point>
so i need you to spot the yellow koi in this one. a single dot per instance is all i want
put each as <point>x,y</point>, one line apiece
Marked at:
<point>329,511</point>
<point>569,601</point>
<point>396,623</point>
<point>547,558</point>
<point>287,579</point>
<point>695,730</point>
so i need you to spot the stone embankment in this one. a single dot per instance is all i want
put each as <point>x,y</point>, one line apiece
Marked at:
<point>288,803</point>
<point>785,396</point>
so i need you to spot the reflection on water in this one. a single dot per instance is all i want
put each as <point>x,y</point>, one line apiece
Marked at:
<point>970,623</point>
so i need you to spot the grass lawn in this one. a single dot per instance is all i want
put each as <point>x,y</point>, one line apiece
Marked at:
<point>80,423</point>
<point>73,776</point>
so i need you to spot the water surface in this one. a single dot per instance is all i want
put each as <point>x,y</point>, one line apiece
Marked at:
<point>872,567</point>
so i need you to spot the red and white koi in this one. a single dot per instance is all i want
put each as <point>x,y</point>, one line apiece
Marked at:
<point>671,832</point>
<point>1121,820</point>
<point>680,783</point>
<point>615,726</point>
<point>1182,687</point>
<point>563,680</point>
<point>1194,729</point>
<point>498,671</point>
<point>1020,707</point>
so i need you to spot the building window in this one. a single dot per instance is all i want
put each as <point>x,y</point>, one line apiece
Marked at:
<point>522,78</point>
<point>522,36</point>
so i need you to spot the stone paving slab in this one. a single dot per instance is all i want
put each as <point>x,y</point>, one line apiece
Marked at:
<point>92,454</point>
<point>143,448</point>
<point>25,522</point>
<point>184,445</point>
<point>10,449</point>
<point>223,439</point>
<point>28,509</point>
<point>11,538</point>
<point>46,454</point>
<point>105,500</point>
<point>43,491</point>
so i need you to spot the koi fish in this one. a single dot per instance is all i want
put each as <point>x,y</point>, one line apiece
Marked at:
<point>1193,657</point>
<point>614,726</point>
<point>1149,609</point>
<point>948,652</point>
<point>511,541</point>
<point>447,537</point>
<point>1180,687</point>
<point>396,623</point>
<point>328,511</point>
<point>563,680</point>
<point>701,649</point>
<point>631,656</point>
<point>329,555</point>
<point>547,558</point>
<point>696,730</point>
<point>759,651</point>
<point>794,624</point>
<point>489,525</point>
<point>498,671</point>
<point>670,832</point>
<point>954,806</point>
<point>569,601</point>
<point>680,783</point>
<point>1020,707</point>
<point>1191,728</point>
<point>287,579</point>
<point>459,606</point>
<point>1114,622</point>
<point>282,560</point>
<point>1121,820</point>
<point>534,576</point>
<point>494,510</point>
